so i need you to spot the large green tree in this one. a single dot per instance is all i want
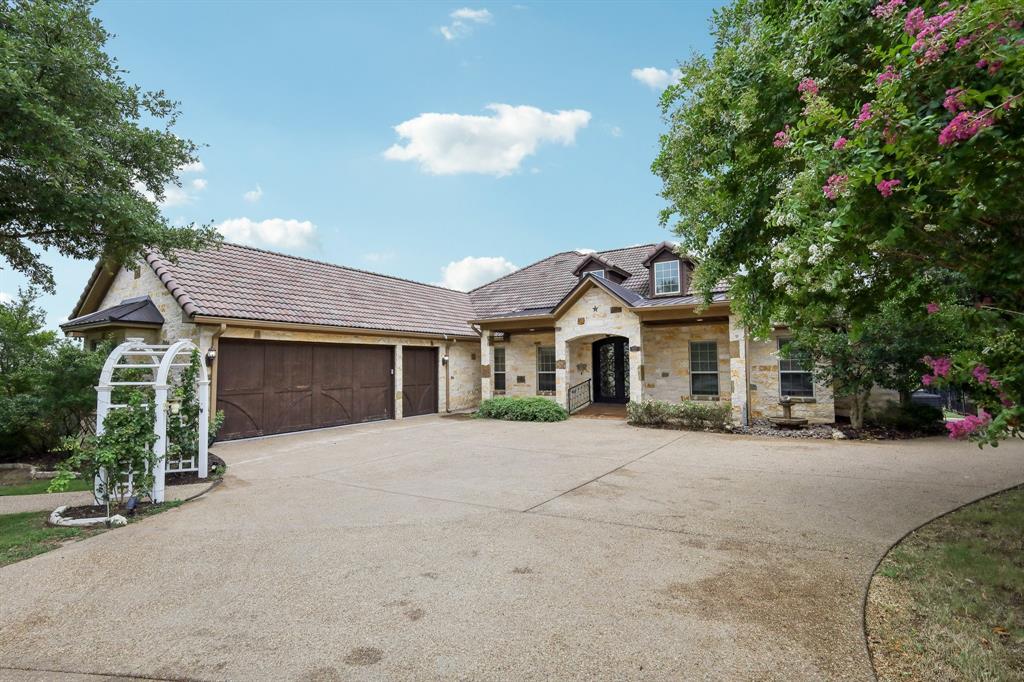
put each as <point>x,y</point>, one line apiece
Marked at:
<point>832,152</point>
<point>79,146</point>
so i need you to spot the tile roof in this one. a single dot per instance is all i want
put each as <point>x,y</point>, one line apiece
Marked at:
<point>247,283</point>
<point>541,286</point>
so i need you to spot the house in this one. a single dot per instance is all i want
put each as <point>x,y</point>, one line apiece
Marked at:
<point>295,343</point>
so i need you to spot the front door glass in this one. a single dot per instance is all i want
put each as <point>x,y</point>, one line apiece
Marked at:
<point>606,370</point>
<point>611,365</point>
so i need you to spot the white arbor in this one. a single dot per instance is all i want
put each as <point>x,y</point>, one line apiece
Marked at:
<point>161,363</point>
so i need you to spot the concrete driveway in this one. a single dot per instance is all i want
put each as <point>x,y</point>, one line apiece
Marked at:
<point>441,548</point>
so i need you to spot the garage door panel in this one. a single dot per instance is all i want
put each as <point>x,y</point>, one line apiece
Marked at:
<point>419,381</point>
<point>269,387</point>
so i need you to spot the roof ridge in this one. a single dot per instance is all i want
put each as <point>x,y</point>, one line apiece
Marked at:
<point>342,267</point>
<point>525,267</point>
<point>627,248</point>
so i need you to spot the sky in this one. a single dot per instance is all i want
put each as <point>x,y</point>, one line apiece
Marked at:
<point>443,142</point>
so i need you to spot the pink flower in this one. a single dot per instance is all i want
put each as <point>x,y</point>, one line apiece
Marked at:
<point>885,187</point>
<point>994,67</point>
<point>963,42</point>
<point>952,103</point>
<point>961,428</point>
<point>782,137</point>
<point>835,186</point>
<point>980,373</point>
<point>888,75</point>
<point>884,10</point>
<point>932,308</point>
<point>914,21</point>
<point>808,88</point>
<point>982,63</point>
<point>940,366</point>
<point>964,126</point>
<point>840,143</point>
<point>927,379</point>
<point>864,117</point>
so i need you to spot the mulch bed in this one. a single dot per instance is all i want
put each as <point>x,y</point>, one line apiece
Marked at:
<point>764,427</point>
<point>186,477</point>
<point>91,511</point>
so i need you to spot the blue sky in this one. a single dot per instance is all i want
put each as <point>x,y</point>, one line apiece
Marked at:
<point>319,140</point>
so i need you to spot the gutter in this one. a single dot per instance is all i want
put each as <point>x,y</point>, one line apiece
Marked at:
<point>266,324</point>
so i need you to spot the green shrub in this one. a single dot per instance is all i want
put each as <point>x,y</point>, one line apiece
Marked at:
<point>522,410</point>
<point>649,413</point>
<point>910,417</point>
<point>689,414</point>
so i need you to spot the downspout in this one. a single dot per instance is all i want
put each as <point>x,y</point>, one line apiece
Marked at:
<point>447,377</point>
<point>746,373</point>
<point>215,346</point>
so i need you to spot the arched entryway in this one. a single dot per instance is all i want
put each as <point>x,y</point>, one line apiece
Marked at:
<point>611,370</point>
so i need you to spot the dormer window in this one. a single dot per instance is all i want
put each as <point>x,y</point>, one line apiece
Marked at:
<point>595,273</point>
<point>666,278</point>
<point>599,267</point>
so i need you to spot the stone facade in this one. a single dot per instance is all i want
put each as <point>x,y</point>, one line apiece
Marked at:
<point>521,363</point>
<point>667,360</point>
<point>765,381</point>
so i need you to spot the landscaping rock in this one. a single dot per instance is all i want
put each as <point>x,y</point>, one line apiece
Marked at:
<point>118,520</point>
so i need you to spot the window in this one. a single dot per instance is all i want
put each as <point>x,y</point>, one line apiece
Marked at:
<point>499,369</point>
<point>595,273</point>
<point>703,368</point>
<point>795,377</point>
<point>545,368</point>
<point>666,277</point>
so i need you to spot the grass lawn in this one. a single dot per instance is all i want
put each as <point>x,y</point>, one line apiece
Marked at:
<point>27,534</point>
<point>39,486</point>
<point>948,601</point>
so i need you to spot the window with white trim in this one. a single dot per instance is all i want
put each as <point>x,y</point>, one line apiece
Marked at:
<point>499,368</point>
<point>666,277</point>
<point>703,368</point>
<point>795,377</point>
<point>545,368</point>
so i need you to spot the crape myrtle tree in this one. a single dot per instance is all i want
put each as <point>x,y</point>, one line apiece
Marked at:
<point>79,152</point>
<point>833,155</point>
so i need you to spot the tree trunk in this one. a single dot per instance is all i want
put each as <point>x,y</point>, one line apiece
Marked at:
<point>858,407</point>
<point>905,396</point>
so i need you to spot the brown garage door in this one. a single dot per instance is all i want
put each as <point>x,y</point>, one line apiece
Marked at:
<point>266,387</point>
<point>419,381</point>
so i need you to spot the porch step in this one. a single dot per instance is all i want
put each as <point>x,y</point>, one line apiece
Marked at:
<point>602,411</point>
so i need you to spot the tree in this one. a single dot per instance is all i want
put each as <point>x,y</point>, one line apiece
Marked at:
<point>831,152</point>
<point>46,383</point>
<point>77,159</point>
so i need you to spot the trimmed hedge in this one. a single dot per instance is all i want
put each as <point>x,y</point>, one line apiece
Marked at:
<point>522,410</point>
<point>690,414</point>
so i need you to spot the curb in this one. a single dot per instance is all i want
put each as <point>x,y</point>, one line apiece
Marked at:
<point>874,570</point>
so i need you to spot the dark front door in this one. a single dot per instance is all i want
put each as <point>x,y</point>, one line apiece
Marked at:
<point>419,381</point>
<point>611,370</point>
<point>268,387</point>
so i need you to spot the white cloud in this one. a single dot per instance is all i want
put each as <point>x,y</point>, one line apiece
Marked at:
<point>274,232</point>
<point>5,297</point>
<point>472,271</point>
<point>616,131</point>
<point>199,184</point>
<point>378,256</point>
<point>253,195</point>
<point>463,20</point>
<point>655,78</point>
<point>194,167</point>
<point>585,252</point>
<point>448,144</point>
<point>173,196</point>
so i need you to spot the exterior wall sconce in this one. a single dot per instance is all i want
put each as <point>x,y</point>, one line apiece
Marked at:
<point>211,355</point>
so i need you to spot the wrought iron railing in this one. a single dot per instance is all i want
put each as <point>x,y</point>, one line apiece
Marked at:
<point>579,396</point>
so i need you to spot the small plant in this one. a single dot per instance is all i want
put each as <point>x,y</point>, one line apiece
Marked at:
<point>123,450</point>
<point>183,428</point>
<point>522,410</point>
<point>689,414</point>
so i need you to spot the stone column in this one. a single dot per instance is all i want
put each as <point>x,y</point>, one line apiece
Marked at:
<point>486,382</point>
<point>636,363</point>
<point>398,381</point>
<point>561,375</point>
<point>738,370</point>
